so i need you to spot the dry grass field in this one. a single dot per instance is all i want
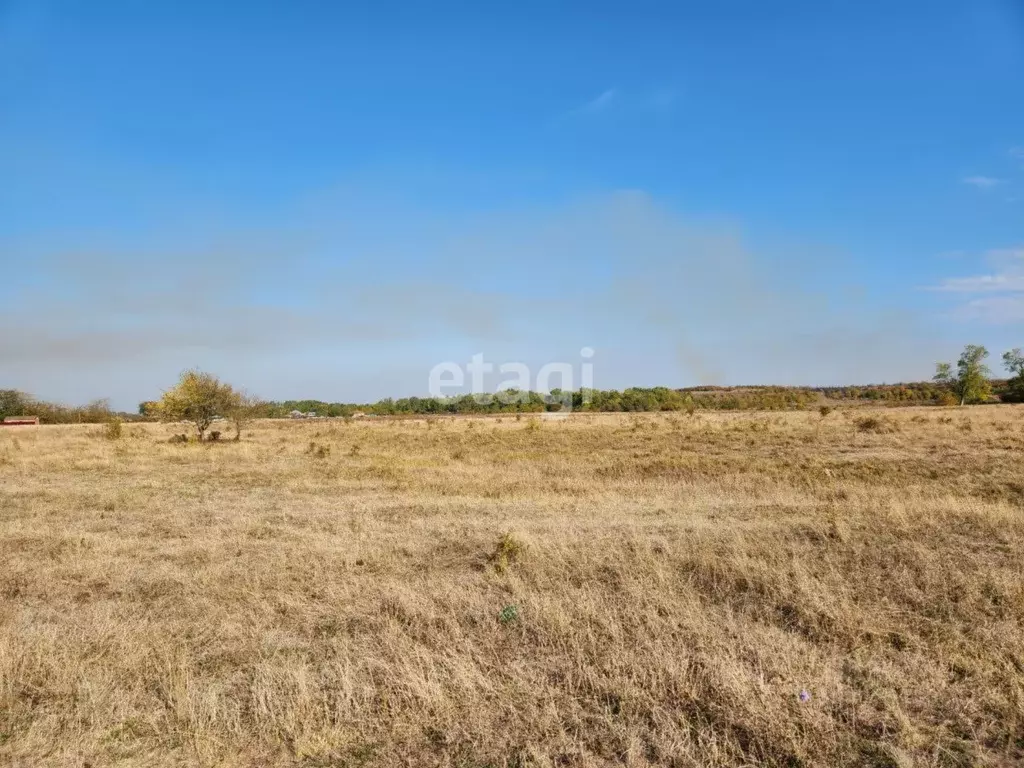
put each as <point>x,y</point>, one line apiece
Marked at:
<point>604,590</point>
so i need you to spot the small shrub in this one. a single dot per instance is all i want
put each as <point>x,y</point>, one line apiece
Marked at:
<point>113,430</point>
<point>533,425</point>
<point>318,451</point>
<point>178,439</point>
<point>824,410</point>
<point>509,550</point>
<point>214,436</point>
<point>509,614</point>
<point>876,424</point>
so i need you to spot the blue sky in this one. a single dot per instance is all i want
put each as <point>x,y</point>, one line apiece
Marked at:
<point>325,199</point>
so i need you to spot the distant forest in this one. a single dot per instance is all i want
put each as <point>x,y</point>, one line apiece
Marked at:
<point>634,399</point>
<point>200,397</point>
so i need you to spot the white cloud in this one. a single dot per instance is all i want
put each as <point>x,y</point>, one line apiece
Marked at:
<point>982,182</point>
<point>600,102</point>
<point>1001,290</point>
<point>994,310</point>
<point>982,283</point>
<point>650,101</point>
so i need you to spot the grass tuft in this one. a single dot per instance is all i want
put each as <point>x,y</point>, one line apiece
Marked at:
<point>508,551</point>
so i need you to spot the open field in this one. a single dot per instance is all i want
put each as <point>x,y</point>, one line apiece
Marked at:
<point>330,594</point>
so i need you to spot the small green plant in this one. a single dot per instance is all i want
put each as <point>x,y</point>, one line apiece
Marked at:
<point>113,430</point>
<point>533,424</point>
<point>509,550</point>
<point>824,410</point>
<point>509,614</point>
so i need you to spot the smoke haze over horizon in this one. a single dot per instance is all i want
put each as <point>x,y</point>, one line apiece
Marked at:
<point>327,205</point>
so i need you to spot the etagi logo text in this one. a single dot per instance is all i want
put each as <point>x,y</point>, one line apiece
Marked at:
<point>449,378</point>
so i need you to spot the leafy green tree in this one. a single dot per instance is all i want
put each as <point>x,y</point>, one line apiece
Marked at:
<point>1013,361</point>
<point>198,397</point>
<point>971,383</point>
<point>14,403</point>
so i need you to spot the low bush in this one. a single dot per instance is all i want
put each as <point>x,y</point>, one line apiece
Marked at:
<point>877,424</point>
<point>113,430</point>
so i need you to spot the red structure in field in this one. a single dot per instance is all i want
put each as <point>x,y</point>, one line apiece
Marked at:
<point>20,421</point>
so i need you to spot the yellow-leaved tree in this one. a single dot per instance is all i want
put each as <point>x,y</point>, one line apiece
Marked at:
<point>198,398</point>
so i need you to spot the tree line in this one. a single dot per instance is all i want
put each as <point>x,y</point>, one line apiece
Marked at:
<point>201,399</point>
<point>971,381</point>
<point>633,399</point>
<point>16,403</point>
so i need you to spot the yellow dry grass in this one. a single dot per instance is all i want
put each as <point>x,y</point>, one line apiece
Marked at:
<point>604,590</point>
